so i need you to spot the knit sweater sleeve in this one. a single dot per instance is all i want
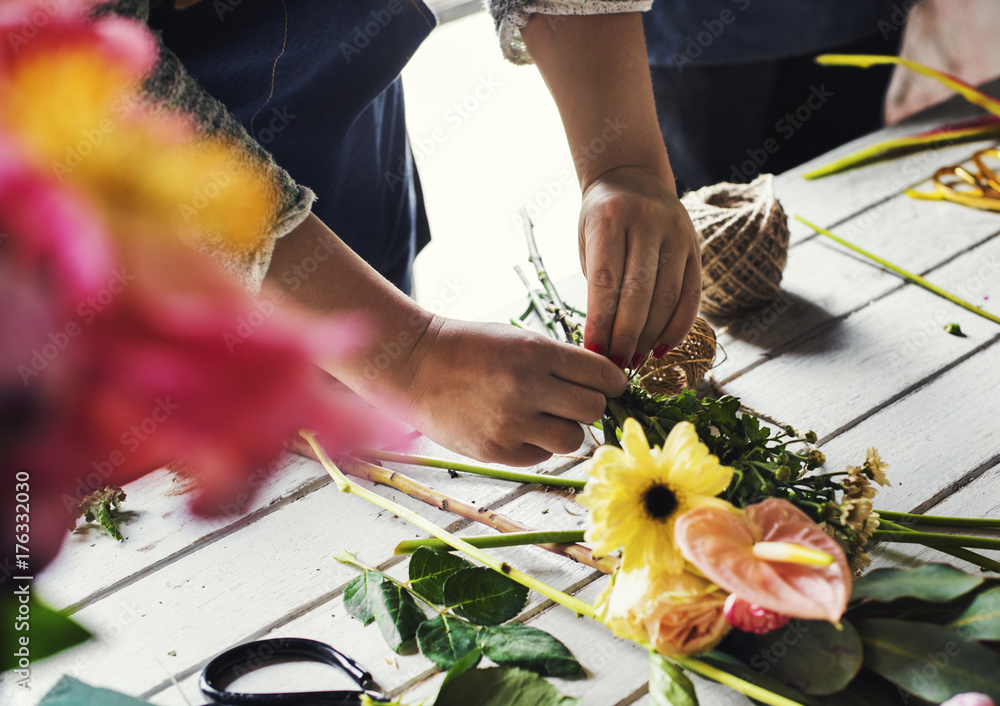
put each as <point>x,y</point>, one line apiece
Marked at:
<point>510,16</point>
<point>170,86</point>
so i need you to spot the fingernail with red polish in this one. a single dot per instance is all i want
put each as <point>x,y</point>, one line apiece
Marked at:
<point>596,348</point>
<point>661,351</point>
<point>618,360</point>
<point>636,359</point>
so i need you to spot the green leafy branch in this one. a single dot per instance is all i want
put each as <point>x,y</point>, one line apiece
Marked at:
<point>471,605</point>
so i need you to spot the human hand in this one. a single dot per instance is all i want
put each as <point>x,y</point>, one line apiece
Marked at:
<point>642,260</point>
<point>500,394</point>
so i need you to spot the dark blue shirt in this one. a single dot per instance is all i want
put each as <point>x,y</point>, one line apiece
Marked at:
<point>683,33</point>
<point>317,84</point>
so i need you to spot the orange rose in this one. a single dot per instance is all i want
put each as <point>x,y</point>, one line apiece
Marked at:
<point>676,614</point>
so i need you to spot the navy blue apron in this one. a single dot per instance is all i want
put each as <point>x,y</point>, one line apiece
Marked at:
<point>316,82</point>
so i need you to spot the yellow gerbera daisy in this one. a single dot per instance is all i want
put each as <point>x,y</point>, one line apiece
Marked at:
<point>636,493</point>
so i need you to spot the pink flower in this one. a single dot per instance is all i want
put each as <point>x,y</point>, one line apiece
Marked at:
<point>750,617</point>
<point>970,698</point>
<point>723,546</point>
<point>52,25</point>
<point>51,227</point>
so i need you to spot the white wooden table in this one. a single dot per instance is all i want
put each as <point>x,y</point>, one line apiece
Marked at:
<point>851,351</point>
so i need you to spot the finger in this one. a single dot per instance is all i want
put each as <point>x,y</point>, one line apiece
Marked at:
<point>525,455</point>
<point>558,436</point>
<point>666,293</point>
<point>604,264</point>
<point>574,402</point>
<point>687,308</point>
<point>635,295</point>
<point>589,371</point>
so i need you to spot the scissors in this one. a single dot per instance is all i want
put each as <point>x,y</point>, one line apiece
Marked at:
<point>254,655</point>
<point>978,189</point>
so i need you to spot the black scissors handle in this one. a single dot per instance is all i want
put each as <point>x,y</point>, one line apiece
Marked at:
<point>254,655</point>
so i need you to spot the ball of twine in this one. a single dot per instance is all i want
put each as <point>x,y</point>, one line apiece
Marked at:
<point>744,245</point>
<point>684,366</point>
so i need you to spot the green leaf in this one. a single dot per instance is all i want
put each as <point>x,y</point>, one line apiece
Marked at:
<point>668,684</point>
<point>398,617</point>
<point>929,661</point>
<point>71,692</point>
<point>981,619</point>
<point>483,596</point>
<point>445,640</point>
<point>462,666</point>
<point>809,655</point>
<point>501,686</point>
<point>50,631</point>
<point>729,664</point>
<point>429,569</point>
<point>931,582</point>
<point>361,595</point>
<point>517,645</point>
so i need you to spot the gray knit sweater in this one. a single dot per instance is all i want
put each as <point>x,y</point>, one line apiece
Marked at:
<point>171,86</point>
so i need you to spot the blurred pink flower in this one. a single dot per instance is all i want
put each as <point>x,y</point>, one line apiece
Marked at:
<point>51,227</point>
<point>971,698</point>
<point>750,617</point>
<point>720,544</point>
<point>53,25</point>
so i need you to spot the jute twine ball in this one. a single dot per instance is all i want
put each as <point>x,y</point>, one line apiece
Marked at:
<point>744,245</point>
<point>684,366</point>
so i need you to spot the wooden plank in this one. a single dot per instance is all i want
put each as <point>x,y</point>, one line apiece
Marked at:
<point>980,498</point>
<point>842,372</point>
<point>200,601</point>
<point>836,198</point>
<point>330,621</point>
<point>931,438</point>
<point>160,530</point>
<point>825,282</point>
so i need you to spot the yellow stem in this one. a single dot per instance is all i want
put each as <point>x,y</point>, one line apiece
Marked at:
<point>346,485</point>
<point>915,278</point>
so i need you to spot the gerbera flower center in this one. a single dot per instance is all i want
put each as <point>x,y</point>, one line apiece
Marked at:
<point>659,501</point>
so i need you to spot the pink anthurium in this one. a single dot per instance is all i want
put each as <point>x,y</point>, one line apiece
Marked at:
<point>772,555</point>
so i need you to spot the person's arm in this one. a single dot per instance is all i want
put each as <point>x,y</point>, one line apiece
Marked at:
<point>489,391</point>
<point>638,248</point>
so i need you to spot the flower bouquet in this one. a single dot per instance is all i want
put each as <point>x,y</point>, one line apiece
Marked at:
<point>732,555</point>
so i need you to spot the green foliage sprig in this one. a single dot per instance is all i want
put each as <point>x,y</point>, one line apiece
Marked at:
<point>101,507</point>
<point>473,606</point>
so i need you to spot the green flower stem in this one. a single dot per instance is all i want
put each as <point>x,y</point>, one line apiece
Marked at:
<point>938,520</point>
<point>915,278</point>
<point>511,539</point>
<point>985,563</point>
<point>346,485</point>
<point>733,682</point>
<point>931,539</point>
<point>513,476</point>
